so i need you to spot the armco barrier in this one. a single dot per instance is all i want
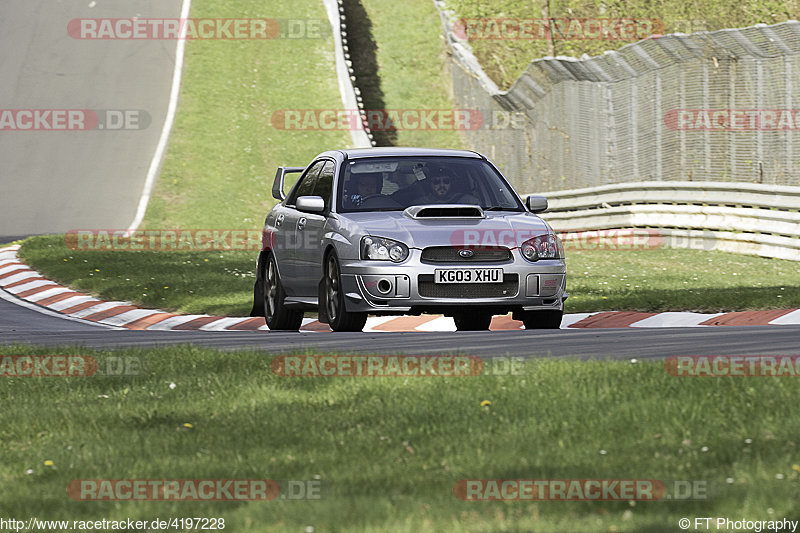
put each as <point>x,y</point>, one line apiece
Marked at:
<point>746,218</point>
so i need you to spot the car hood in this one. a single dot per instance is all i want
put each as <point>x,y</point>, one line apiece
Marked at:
<point>497,229</point>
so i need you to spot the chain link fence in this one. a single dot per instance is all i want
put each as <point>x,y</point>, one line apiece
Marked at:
<point>710,106</point>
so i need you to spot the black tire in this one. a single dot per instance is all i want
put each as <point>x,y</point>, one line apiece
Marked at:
<point>278,317</point>
<point>339,319</point>
<point>472,321</point>
<point>547,319</point>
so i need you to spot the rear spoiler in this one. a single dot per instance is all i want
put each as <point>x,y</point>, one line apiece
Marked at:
<point>277,185</point>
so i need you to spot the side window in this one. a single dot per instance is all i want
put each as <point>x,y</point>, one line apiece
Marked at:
<point>324,185</point>
<point>306,183</point>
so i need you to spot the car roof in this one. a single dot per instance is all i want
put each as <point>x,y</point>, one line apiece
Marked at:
<point>358,153</point>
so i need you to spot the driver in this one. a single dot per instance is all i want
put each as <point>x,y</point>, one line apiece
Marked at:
<point>368,184</point>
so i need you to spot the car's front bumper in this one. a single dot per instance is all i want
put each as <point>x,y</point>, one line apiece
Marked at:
<point>384,287</point>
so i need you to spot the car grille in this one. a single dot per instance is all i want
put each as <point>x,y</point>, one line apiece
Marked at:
<point>428,289</point>
<point>449,254</point>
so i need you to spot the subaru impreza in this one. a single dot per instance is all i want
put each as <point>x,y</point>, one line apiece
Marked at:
<point>406,231</point>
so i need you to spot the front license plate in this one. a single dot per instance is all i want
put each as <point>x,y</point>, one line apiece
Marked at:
<point>468,275</point>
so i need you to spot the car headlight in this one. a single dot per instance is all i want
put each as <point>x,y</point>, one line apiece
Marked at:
<point>380,249</point>
<point>545,246</point>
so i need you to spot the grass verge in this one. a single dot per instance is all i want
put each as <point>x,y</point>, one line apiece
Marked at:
<point>389,450</point>
<point>222,282</point>
<point>679,280</point>
<point>399,57</point>
<point>224,149</point>
<point>213,282</point>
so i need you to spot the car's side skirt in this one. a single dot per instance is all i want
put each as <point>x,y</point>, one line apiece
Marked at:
<point>306,304</point>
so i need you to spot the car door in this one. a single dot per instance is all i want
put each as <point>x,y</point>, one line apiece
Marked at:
<point>309,235</point>
<point>287,232</point>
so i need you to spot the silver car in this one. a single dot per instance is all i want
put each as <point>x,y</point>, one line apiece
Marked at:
<point>393,231</point>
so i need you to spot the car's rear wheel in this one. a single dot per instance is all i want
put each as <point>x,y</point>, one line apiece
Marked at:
<point>338,317</point>
<point>472,321</point>
<point>547,319</point>
<point>277,315</point>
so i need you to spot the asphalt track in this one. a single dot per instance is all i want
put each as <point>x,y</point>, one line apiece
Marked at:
<point>23,326</point>
<point>52,181</point>
<point>27,321</point>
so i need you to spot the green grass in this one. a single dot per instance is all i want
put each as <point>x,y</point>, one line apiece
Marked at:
<point>390,450</point>
<point>222,282</point>
<point>223,149</point>
<point>505,60</point>
<point>679,280</point>
<point>213,282</point>
<point>410,63</point>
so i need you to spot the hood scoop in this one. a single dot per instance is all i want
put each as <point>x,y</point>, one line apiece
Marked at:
<point>444,211</point>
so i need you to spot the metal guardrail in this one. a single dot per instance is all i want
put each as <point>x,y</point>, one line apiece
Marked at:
<point>745,218</point>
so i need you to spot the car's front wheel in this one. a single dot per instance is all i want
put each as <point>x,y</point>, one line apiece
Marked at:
<point>277,315</point>
<point>472,321</point>
<point>547,319</point>
<point>338,317</point>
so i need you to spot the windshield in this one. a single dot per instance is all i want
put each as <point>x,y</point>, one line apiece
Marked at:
<point>395,183</point>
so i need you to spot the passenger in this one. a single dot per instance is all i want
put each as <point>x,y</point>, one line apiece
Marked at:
<point>444,191</point>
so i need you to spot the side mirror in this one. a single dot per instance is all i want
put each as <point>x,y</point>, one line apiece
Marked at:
<point>536,204</point>
<point>311,204</point>
<point>277,185</point>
